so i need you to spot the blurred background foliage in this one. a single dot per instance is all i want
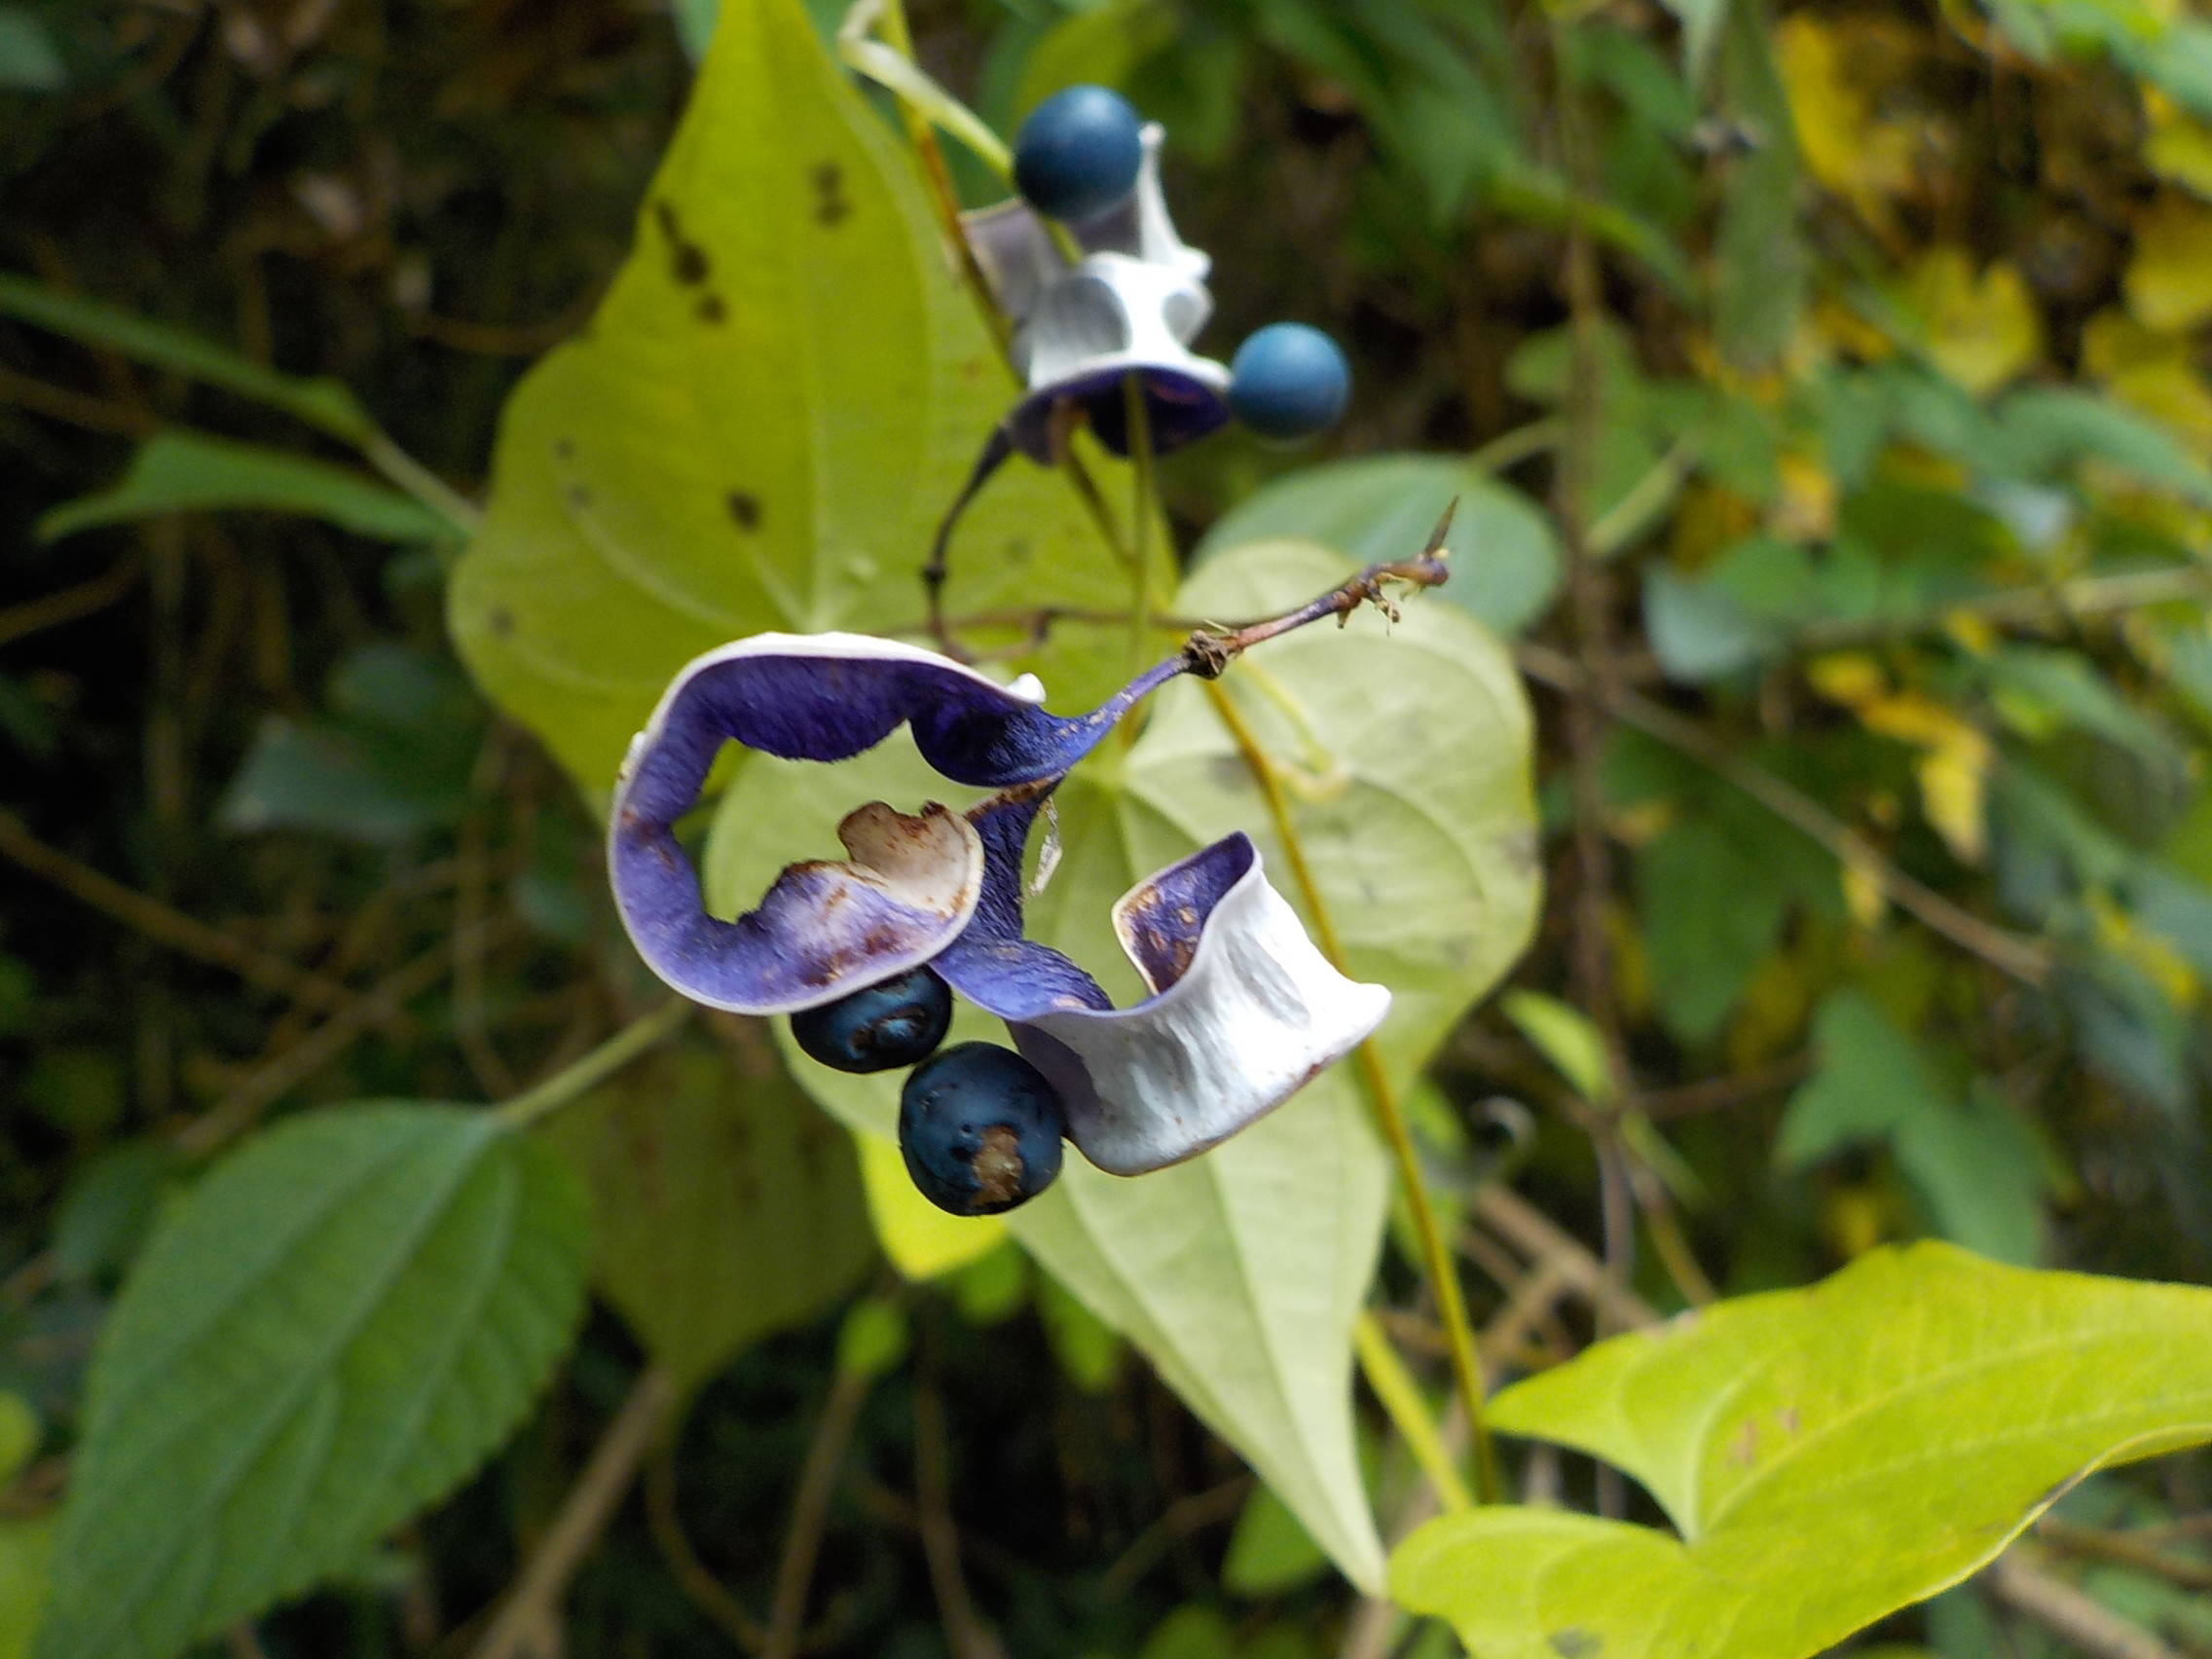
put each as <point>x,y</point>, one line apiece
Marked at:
<point>1827,394</point>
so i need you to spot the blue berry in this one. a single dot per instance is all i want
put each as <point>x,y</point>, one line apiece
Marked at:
<point>1078,154</point>
<point>980,1129</point>
<point>1288,381</point>
<point>894,1023</point>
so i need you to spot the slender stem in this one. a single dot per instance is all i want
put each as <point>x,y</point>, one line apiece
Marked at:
<point>1436,1258</point>
<point>420,482</point>
<point>587,1072</point>
<point>1394,1387</point>
<point>532,1606</point>
<point>810,1512</point>
<point>706,1592</point>
<point>1137,415</point>
<point>1511,448</point>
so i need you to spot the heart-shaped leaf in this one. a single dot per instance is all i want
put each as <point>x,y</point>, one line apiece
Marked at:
<point>1828,1454</point>
<point>1403,751</point>
<point>727,1208</point>
<point>781,392</point>
<point>327,1334</point>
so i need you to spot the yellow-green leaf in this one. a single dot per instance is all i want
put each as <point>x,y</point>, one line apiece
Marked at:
<point>2167,282</point>
<point>1829,1456</point>
<point>921,1240</point>
<point>782,391</point>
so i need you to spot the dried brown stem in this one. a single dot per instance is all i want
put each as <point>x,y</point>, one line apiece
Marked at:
<point>2071,1613</point>
<point>532,1607</point>
<point>164,924</point>
<point>810,1513</point>
<point>287,1069</point>
<point>965,1632</point>
<point>52,609</point>
<point>665,1520</point>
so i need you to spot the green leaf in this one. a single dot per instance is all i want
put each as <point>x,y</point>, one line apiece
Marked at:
<point>322,403</point>
<point>2054,426</point>
<point>1404,752</point>
<point>1270,1552</point>
<point>1699,630</point>
<point>1564,1036</point>
<point>180,471</point>
<point>1505,565</point>
<point>28,63</point>
<point>726,1206</point>
<point>782,391</point>
<point>27,1560</point>
<point>1762,266</point>
<point>1966,1152</point>
<point>1100,45</point>
<point>320,778</point>
<point>1829,1456</point>
<point>1712,906</point>
<point>921,1240</point>
<point>325,1335</point>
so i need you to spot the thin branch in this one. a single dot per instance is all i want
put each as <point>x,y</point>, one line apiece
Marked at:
<point>2072,1613</point>
<point>2022,959</point>
<point>810,1512</point>
<point>534,1606</point>
<point>52,609</point>
<point>965,1633</point>
<point>1540,1238</point>
<point>267,1083</point>
<point>2128,1549</point>
<point>586,1073</point>
<point>665,1520</point>
<point>1189,1513</point>
<point>164,924</point>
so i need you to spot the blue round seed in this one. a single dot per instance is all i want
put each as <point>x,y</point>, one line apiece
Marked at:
<point>894,1023</point>
<point>1079,153</point>
<point>1288,382</point>
<point>980,1129</point>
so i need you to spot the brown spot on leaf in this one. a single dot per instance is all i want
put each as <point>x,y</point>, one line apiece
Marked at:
<point>711,309</point>
<point>686,260</point>
<point>745,508</point>
<point>1575,1643</point>
<point>500,622</point>
<point>579,496</point>
<point>564,448</point>
<point>1744,1450</point>
<point>830,204</point>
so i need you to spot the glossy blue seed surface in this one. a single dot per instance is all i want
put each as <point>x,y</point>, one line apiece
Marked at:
<point>980,1129</point>
<point>1288,381</point>
<point>1078,154</point>
<point>894,1023</point>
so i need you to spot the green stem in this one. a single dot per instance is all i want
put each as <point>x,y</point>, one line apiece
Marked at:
<point>587,1072</point>
<point>1509,449</point>
<point>1394,1387</point>
<point>1436,1258</point>
<point>420,482</point>
<point>1143,505</point>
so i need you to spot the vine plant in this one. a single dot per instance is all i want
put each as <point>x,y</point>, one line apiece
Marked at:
<point>757,441</point>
